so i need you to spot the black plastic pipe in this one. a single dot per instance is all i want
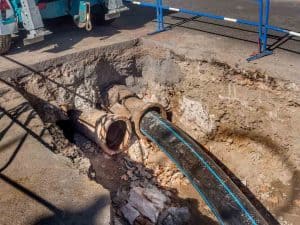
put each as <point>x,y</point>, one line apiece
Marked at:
<point>224,198</point>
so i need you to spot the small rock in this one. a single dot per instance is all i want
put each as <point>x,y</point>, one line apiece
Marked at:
<point>138,152</point>
<point>135,183</point>
<point>273,200</point>
<point>121,197</point>
<point>128,164</point>
<point>116,221</point>
<point>87,145</point>
<point>134,178</point>
<point>131,175</point>
<point>297,202</point>
<point>70,152</point>
<point>84,165</point>
<point>255,156</point>
<point>142,221</point>
<point>106,156</point>
<point>175,216</point>
<point>92,175</point>
<point>229,140</point>
<point>146,174</point>
<point>186,181</point>
<point>244,182</point>
<point>168,193</point>
<point>124,177</point>
<point>159,159</point>
<point>129,213</point>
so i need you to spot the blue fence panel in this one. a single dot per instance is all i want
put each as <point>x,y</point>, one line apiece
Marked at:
<point>262,24</point>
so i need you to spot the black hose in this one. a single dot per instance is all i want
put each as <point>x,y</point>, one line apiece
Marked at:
<point>223,197</point>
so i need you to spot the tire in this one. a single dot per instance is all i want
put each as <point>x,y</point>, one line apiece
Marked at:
<point>5,42</point>
<point>98,15</point>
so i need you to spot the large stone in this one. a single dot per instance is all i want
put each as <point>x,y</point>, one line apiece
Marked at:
<point>148,201</point>
<point>194,113</point>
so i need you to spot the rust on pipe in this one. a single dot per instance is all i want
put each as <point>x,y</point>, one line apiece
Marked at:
<point>111,132</point>
<point>138,108</point>
<point>119,109</point>
<point>117,94</point>
<point>120,94</point>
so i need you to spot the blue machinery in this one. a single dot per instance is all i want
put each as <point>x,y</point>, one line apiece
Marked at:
<point>262,24</point>
<point>30,15</point>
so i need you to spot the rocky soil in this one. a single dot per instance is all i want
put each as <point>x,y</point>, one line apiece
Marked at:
<point>247,120</point>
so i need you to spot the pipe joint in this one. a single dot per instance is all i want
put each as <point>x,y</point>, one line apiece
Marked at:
<point>111,132</point>
<point>136,108</point>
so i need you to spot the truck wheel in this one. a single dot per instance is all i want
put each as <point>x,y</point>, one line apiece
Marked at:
<point>98,15</point>
<point>5,42</point>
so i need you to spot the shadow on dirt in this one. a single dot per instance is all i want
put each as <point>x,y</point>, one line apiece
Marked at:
<point>13,114</point>
<point>285,42</point>
<point>108,171</point>
<point>65,33</point>
<point>86,216</point>
<point>275,149</point>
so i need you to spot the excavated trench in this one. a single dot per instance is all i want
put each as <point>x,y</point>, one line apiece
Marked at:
<point>247,121</point>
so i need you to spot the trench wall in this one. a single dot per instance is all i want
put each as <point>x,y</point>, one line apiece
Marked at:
<point>248,120</point>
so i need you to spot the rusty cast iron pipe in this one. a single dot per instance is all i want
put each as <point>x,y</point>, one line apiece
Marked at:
<point>111,132</point>
<point>120,94</point>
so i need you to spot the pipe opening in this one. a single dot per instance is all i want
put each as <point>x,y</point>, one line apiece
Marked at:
<point>150,109</point>
<point>67,128</point>
<point>116,134</point>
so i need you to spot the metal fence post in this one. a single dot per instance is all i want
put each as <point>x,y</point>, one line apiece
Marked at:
<point>266,25</point>
<point>261,21</point>
<point>263,24</point>
<point>159,16</point>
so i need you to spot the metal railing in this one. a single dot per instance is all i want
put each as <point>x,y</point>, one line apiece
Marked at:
<point>262,24</point>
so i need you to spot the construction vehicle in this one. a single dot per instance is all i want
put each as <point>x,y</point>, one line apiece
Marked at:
<point>29,15</point>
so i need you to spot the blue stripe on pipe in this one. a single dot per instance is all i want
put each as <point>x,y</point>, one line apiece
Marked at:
<point>188,176</point>
<point>235,198</point>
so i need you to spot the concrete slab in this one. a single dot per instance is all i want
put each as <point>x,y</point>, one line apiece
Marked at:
<point>37,186</point>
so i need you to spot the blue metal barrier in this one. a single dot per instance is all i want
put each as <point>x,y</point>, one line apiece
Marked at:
<point>262,24</point>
